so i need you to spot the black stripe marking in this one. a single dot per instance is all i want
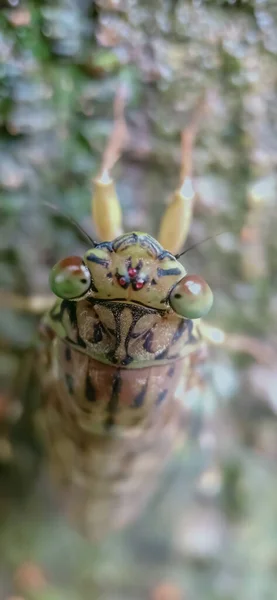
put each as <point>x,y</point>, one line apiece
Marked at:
<point>107,245</point>
<point>68,306</point>
<point>114,399</point>
<point>58,316</point>
<point>148,342</point>
<point>162,355</point>
<point>161,396</point>
<point>134,304</point>
<point>182,326</point>
<point>139,265</point>
<point>139,399</point>
<point>136,315</point>
<point>171,371</point>
<point>165,272</point>
<point>93,286</point>
<point>97,334</point>
<point>128,262</point>
<point>90,390</point>
<point>116,314</point>
<point>166,254</point>
<point>150,244</point>
<point>99,261</point>
<point>67,353</point>
<point>191,338</point>
<point>127,361</point>
<point>71,308</point>
<point>135,318</point>
<point>125,240</point>
<point>143,240</point>
<point>69,383</point>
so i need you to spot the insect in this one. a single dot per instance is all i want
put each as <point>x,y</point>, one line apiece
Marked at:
<point>121,337</point>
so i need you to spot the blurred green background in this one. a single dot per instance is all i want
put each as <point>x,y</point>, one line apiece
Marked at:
<point>212,533</point>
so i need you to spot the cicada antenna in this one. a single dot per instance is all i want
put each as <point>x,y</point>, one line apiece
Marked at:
<point>70,219</point>
<point>210,237</point>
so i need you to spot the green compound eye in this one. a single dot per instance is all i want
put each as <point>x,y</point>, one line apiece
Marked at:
<point>70,278</point>
<point>191,297</point>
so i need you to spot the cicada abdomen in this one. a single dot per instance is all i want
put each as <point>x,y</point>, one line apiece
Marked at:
<point>109,439</point>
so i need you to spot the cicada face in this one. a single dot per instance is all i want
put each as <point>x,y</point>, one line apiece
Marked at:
<point>132,268</point>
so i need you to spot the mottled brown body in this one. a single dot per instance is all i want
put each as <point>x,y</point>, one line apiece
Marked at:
<point>109,429</point>
<point>104,480</point>
<point>113,361</point>
<point>96,397</point>
<point>109,433</point>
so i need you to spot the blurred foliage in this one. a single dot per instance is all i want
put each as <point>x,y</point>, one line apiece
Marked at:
<point>60,65</point>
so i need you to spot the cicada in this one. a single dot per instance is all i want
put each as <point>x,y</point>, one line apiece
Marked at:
<point>122,337</point>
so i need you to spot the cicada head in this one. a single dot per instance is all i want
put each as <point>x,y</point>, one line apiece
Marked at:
<point>133,268</point>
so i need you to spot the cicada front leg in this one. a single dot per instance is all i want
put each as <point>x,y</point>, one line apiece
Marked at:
<point>106,210</point>
<point>176,221</point>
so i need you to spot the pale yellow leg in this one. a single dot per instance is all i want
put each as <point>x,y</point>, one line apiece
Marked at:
<point>177,218</point>
<point>106,210</point>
